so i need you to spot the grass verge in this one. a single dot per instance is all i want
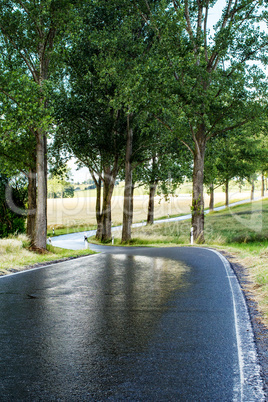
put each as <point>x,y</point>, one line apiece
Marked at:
<point>15,256</point>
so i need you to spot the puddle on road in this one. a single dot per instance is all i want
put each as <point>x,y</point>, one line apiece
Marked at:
<point>137,290</point>
<point>84,328</point>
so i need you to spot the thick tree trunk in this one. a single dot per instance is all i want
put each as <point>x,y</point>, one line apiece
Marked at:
<point>40,233</point>
<point>226,192</point>
<point>127,211</point>
<point>106,217</point>
<point>31,205</point>
<point>262,185</point>
<point>198,219</point>
<point>98,208</point>
<point>150,215</point>
<point>252,190</point>
<point>211,198</point>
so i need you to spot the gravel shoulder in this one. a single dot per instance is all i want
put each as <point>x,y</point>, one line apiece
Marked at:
<point>259,329</point>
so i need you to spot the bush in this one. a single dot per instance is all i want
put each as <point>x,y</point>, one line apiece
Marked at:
<point>10,221</point>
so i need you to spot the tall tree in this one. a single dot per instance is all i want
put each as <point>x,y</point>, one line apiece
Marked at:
<point>212,88</point>
<point>90,126</point>
<point>30,30</point>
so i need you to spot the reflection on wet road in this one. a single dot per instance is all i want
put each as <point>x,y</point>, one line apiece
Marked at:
<point>138,325</point>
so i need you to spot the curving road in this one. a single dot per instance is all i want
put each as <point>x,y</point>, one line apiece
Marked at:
<point>135,324</point>
<point>75,241</point>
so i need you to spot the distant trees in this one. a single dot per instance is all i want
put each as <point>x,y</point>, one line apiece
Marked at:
<point>59,186</point>
<point>239,155</point>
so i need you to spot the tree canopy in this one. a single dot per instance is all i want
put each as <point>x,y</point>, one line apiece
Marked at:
<point>129,85</point>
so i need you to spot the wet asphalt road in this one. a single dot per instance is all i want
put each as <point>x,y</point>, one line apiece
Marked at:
<point>130,324</point>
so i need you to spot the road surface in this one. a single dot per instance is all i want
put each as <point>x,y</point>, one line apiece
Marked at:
<point>129,324</point>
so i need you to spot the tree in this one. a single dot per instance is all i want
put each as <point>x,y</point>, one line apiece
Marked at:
<point>88,126</point>
<point>165,166</point>
<point>238,156</point>
<point>29,32</point>
<point>60,186</point>
<point>212,88</point>
<point>18,109</point>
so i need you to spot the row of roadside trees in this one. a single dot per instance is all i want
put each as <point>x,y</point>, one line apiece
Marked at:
<point>149,91</point>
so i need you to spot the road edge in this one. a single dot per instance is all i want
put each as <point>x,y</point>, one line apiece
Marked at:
<point>251,376</point>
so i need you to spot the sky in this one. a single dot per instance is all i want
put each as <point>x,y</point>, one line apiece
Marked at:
<point>78,175</point>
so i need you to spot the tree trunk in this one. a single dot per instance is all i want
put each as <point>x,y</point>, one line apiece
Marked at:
<point>252,190</point>
<point>127,211</point>
<point>198,218</point>
<point>40,234</point>
<point>106,216</point>
<point>262,185</point>
<point>31,205</point>
<point>98,207</point>
<point>132,203</point>
<point>211,199</point>
<point>226,192</point>
<point>150,216</point>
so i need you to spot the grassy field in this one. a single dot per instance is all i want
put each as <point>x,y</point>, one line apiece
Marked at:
<point>15,256</point>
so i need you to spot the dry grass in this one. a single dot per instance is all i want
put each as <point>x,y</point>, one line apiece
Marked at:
<point>15,256</point>
<point>255,260</point>
<point>73,212</point>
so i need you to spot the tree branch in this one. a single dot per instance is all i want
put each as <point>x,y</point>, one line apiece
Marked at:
<point>27,62</point>
<point>188,21</point>
<point>170,129</point>
<point>205,32</point>
<point>9,96</point>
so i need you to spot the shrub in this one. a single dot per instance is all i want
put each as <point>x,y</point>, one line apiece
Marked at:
<point>10,221</point>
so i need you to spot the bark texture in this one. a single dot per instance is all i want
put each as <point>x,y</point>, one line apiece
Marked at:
<point>226,192</point>
<point>106,217</point>
<point>198,218</point>
<point>252,190</point>
<point>40,234</point>
<point>262,185</point>
<point>31,213</point>
<point>211,198</point>
<point>128,207</point>
<point>98,206</point>
<point>150,215</point>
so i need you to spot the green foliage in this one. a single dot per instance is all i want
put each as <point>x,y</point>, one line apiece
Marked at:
<point>10,201</point>
<point>59,185</point>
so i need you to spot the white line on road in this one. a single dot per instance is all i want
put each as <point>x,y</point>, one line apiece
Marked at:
<point>251,384</point>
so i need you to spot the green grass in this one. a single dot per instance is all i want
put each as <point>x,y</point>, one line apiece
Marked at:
<point>247,223</point>
<point>15,254</point>
<point>169,216</point>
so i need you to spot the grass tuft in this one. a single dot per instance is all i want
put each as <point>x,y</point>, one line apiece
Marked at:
<point>15,254</point>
